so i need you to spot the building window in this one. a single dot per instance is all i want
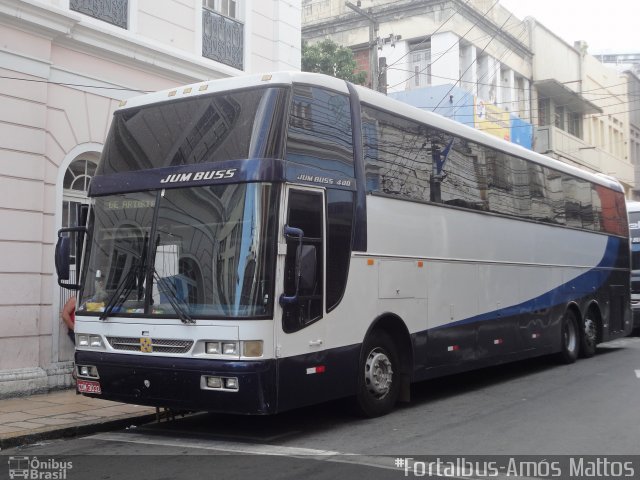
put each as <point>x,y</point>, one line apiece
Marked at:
<point>228,8</point>
<point>421,68</point>
<point>222,33</point>
<point>575,124</point>
<point>543,112</point>
<point>558,118</point>
<point>114,12</point>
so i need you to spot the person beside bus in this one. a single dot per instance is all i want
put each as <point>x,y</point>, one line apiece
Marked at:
<point>69,317</point>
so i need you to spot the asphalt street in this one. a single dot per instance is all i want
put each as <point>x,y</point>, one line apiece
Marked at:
<point>530,408</point>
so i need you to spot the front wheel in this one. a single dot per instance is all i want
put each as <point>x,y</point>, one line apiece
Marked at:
<point>378,376</point>
<point>569,338</point>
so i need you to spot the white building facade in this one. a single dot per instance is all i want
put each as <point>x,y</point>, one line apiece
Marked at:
<point>65,65</point>
<point>581,112</point>
<point>476,63</point>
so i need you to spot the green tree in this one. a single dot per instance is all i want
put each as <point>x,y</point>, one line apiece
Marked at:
<point>331,59</point>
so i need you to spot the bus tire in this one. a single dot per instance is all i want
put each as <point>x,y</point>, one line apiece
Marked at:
<point>378,376</point>
<point>569,338</point>
<point>589,335</point>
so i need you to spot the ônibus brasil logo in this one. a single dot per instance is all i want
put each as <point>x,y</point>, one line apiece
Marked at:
<point>35,469</point>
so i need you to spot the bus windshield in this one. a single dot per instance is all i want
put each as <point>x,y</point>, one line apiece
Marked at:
<point>204,129</point>
<point>207,252</point>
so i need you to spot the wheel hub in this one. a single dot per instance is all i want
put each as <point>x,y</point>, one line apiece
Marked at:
<point>378,373</point>
<point>570,339</point>
<point>590,330</point>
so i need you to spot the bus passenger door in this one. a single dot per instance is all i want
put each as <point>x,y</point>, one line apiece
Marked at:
<point>300,333</point>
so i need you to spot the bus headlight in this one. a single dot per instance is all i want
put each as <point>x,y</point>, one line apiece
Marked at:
<point>229,348</point>
<point>233,348</point>
<point>252,348</point>
<point>90,341</point>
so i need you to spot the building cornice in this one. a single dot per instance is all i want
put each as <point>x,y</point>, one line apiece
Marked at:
<point>73,31</point>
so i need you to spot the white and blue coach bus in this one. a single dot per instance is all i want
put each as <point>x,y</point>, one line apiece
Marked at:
<point>262,243</point>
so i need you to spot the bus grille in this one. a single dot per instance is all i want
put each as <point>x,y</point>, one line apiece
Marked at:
<point>159,345</point>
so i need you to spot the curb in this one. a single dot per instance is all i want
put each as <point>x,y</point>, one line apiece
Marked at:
<point>75,430</point>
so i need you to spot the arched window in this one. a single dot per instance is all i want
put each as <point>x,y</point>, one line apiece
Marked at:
<point>78,176</point>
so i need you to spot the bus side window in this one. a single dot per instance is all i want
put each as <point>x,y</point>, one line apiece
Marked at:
<point>306,213</point>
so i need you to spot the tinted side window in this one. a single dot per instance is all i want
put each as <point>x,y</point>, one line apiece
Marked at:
<point>397,155</point>
<point>306,213</point>
<point>339,229</point>
<point>410,160</point>
<point>319,133</point>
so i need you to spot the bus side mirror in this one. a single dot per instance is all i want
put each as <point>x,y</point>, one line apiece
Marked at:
<point>63,255</point>
<point>63,251</point>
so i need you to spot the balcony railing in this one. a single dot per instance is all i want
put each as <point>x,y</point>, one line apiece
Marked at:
<point>222,39</point>
<point>111,11</point>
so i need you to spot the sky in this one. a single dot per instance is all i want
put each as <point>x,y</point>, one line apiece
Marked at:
<point>610,26</point>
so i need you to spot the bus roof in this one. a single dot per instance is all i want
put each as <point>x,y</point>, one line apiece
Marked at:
<point>372,98</point>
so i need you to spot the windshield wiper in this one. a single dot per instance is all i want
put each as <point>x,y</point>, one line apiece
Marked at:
<point>134,276</point>
<point>121,293</point>
<point>172,296</point>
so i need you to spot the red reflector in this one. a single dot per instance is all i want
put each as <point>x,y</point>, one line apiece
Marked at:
<point>313,370</point>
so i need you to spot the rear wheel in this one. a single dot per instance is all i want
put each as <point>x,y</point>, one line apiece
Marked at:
<point>378,376</point>
<point>589,337</point>
<point>569,337</point>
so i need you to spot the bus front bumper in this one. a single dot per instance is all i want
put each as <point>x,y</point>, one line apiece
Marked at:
<point>180,383</point>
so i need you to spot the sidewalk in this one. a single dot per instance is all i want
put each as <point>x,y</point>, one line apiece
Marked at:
<point>63,414</point>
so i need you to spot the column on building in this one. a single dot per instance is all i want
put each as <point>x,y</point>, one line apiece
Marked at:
<point>445,58</point>
<point>508,90</point>
<point>469,68</point>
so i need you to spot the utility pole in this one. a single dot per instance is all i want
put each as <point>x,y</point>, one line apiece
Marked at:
<point>373,42</point>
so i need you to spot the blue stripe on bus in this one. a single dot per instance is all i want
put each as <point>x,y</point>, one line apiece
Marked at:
<point>585,284</point>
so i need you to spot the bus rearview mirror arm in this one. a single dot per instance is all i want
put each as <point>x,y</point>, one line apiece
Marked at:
<point>293,233</point>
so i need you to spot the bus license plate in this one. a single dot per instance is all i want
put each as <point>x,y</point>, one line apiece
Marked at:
<point>88,386</point>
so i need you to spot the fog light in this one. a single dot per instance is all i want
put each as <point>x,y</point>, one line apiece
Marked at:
<point>95,341</point>
<point>229,348</point>
<point>82,340</point>
<point>214,382</point>
<point>231,383</point>
<point>252,348</point>
<point>89,371</point>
